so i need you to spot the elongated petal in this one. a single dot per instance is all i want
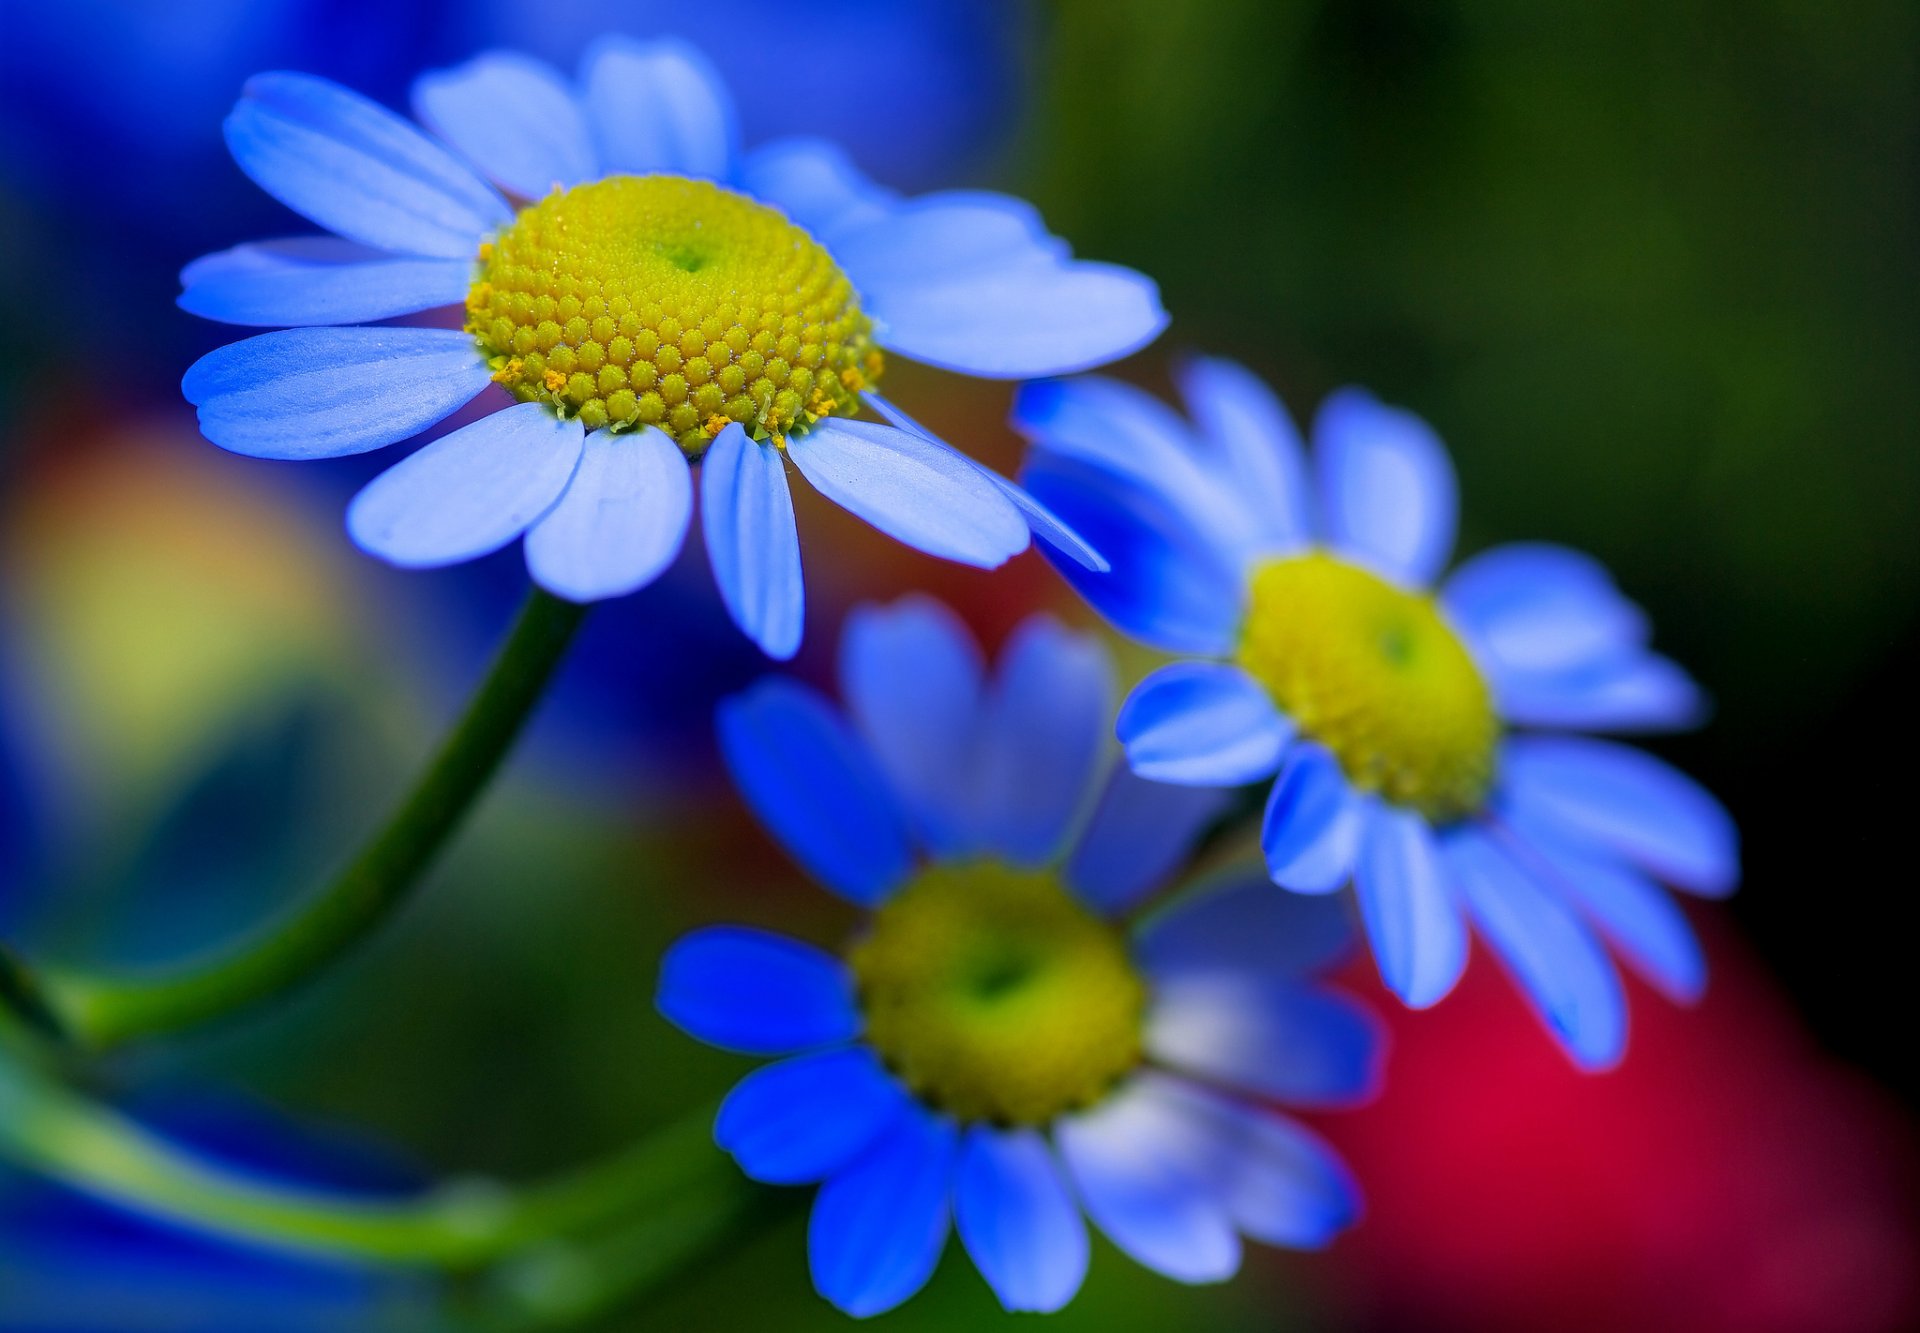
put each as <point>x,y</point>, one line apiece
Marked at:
<point>1636,691</point>
<point>1017,1219</point>
<point>1408,905</point>
<point>1388,494</point>
<point>1242,419</point>
<point>621,522</point>
<point>659,107</point>
<point>1628,802</point>
<point>324,393</point>
<point>1311,831</point>
<point>815,787</point>
<point>1043,739</point>
<point>1139,834</point>
<point>912,488</point>
<point>1537,609</point>
<point>942,237</point>
<point>512,117</point>
<point>357,169</point>
<point>803,1119</point>
<point>1202,724</point>
<point>747,512</point>
<point>911,675</point>
<point>468,493</point>
<point>1235,922</point>
<point>756,993</point>
<point>1266,1036</point>
<point>1555,959</point>
<point>879,1226</point>
<point>816,184</point>
<point>308,280</point>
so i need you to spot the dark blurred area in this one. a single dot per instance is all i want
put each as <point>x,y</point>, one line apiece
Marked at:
<point>1651,272</point>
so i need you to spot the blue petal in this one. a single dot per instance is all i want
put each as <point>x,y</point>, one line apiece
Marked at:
<point>659,107</point>
<point>1635,914</point>
<point>1555,959</point>
<point>621,522</point>
<point>1311,831</point>
<point>1388,494</point>
<point>944,237</point>
<point>512,117</point>
<point>307,280</point>
<point>1042,739</point>
<point>1628,802</point>
<point>359,170</point>
<point>804,1119</point>
<point>1018,1220</point>
<point>756,993</point>
<point>468,493</point>
<point>1202,724</point>
<point>1139,834</point>
<point>1636,692</point>
<point>1412,920</point>
<point>911,677</point>
<point>323,393</point>
<point>1265,1036</point>
<point>1236,922</point>
<point>747,513</point>
<point>878,1227</point>
<point>1167,584</point>
<point>1239,416</point>
<point>913,489</point>
<point>1535,609</point>
<point>816,184</point>
<point>815,788</point>
<point>1133,1161</point>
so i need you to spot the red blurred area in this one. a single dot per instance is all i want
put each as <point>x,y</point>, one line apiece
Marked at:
<point>1729,1176</point>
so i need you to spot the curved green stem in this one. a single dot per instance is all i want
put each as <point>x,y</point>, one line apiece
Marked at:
<point>95,1011</point>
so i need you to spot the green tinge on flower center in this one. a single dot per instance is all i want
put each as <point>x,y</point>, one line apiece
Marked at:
<point>995,996</point>
<point>661,301</point>
<point>1376,675</point>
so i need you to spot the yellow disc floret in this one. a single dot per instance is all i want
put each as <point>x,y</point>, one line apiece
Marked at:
<point>1376,675</point>
<point>661,301</point>
<point>995,996</point>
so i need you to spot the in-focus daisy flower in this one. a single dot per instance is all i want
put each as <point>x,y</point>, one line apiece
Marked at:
<point>638,294</point>
<point>1388,709</point>
<point>995,1049</point>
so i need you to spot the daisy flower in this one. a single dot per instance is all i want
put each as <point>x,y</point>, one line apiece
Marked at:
<point>995,1050</point>
<point>638,295</point>
<point>1414,732</point>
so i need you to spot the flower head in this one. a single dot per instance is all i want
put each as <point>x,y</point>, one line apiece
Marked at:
<point>997,1049</point>
<point>1391,712</point>
<point>646,296</point>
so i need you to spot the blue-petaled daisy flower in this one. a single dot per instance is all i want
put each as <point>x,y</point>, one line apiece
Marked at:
<point>1387,708</point>
<point>995,1051</point>
<point>638,294</point>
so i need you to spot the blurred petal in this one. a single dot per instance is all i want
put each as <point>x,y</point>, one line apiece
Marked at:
<point>1635,692</point>
<point>1240,416</point>
<point>469,493</point>
<point>512,117</point>
<point>1202,724</point>
<point>756,993</point>
<point>659,107</point>
<point>1387,489</point>
<point>1412,920</point>
<point>814,183</point>
<point>1537,609</point>
<point>815,788</point>
<point>878,1227</point>
<point>1266,1036</point>
<point>621,522</point>
<point>309,280</point>
<point>1238,922</point>
<point>747,512</point>
<point>1311,831</point>
<point>803,1119</point>
<point>324,393</point>
<point>358,170</point>
<point>1138,836</point>
<point>1018,1220</point>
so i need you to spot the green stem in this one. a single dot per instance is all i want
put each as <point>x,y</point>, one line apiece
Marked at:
<point>96,1011</point>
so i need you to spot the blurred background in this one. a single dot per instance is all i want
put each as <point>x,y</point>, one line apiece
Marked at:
<point>1650,269</point>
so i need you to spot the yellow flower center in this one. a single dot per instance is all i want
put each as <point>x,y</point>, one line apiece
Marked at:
<point>661,301</point>
<point>1376,675</point>
<point>996,996</point>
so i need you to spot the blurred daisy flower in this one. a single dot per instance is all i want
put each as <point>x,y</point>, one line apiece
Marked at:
<point>995,1050</point>
<point>644,295</point>
<point>1385,706</point>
